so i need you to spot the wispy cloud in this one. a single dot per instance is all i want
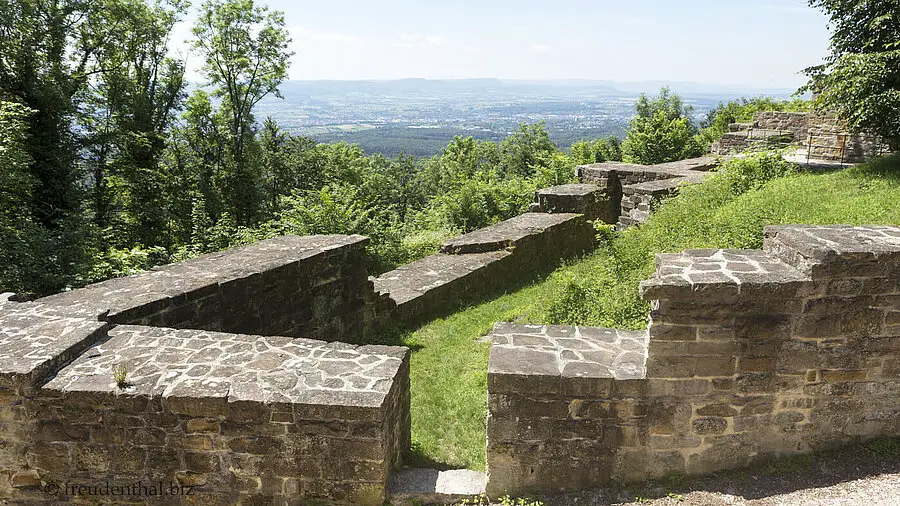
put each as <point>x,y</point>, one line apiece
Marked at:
<point>541,49</point>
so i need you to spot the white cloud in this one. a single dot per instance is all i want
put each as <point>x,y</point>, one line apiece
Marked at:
<point>541,49</point>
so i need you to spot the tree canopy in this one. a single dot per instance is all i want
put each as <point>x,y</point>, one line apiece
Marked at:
<point>860,79</point>
<point>661,131</point>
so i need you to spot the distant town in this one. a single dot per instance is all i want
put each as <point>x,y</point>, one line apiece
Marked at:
<point>418,117</point>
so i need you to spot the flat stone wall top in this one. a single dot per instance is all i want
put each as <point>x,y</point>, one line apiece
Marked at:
<point>33,343</point>
<point>690,167</point>
<point>703,163</point>
<point>595,171</point>
<point>577,189</point>
<point>411,281</point>
<point>196,277</point>
<point>657,186</point>
<point>507,233</point>
<point>211,368</point>
<point>731,270</point>
<point>821,243</point>
<point>569,352</point>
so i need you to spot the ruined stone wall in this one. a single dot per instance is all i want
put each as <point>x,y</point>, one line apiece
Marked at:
<point>313,286</point>
<point>750,355</point>
<point>224,416</point>
<point>830,139</point>
<point>629,192</point>
<point>229,417</point>
<point>797,123</point>
<point>824,135</point>
<point>561,402</point>
<point>484,263</point>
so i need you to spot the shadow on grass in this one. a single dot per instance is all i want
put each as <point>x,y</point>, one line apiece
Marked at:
<point>416,457</point>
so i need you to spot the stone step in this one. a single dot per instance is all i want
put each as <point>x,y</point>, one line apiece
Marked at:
<point>414,486</point>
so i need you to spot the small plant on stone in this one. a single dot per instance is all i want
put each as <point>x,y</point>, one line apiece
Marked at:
<point>120,375</point>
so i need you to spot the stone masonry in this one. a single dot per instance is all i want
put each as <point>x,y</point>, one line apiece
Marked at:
<point>313,286</point>
<point>824,135</point>
<point>484,263</point>
<point>749,355</point>
<point>231,418</point>
<point>629,191</point>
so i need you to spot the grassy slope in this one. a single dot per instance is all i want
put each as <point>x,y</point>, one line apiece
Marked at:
<point>449,367</point>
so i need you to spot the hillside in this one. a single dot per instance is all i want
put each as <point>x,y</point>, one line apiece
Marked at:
<point>729,210</point>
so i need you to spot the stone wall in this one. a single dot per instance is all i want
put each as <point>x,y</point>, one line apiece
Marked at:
<point>750,355</point>
<point>561,403</point>
<point>824,135</point>
<point>797,123</point>
<point>204,417</point>
<point>484,263</point>
<point>630,191</point>
<point>312,286</point>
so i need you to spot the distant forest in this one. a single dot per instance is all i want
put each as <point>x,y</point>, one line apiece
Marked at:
<point>392,141</point>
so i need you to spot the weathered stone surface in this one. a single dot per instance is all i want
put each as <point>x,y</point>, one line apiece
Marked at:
<point>484,263</point>
<point>727,273</point>
<point>633,191</point>
<point>868,251</point>
<point>312,286</point>
<point>192,364</point>
<point>588,199</point>
<point>229,414</point>
<point>507,234</point>
<point>413,486</point>
<point>750,353</point>
<point>35,340</point>
<point>523,350</point>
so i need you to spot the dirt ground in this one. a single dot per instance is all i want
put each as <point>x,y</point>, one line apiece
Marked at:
<point>867,475</point>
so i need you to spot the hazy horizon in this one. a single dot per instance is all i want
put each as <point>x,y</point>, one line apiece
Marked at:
<point>758,45</point>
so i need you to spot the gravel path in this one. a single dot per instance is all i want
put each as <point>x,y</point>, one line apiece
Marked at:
<point>867,475</point>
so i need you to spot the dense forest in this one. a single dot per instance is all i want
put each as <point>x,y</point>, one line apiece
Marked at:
<point>109,166</point>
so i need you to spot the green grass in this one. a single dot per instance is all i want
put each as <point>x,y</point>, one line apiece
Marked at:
<point>729,210</point>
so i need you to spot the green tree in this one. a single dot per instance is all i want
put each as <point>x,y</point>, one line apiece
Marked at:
<point>133,104</point>
<point>16,185</point>
<point>860,79</point>
<point>524,149</point>
<point>608,149</point>
<point>47,51</point>
<point>246,52</point>
<point>661,131</point>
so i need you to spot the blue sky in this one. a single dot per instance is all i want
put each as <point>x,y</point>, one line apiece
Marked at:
<point>759,43</point>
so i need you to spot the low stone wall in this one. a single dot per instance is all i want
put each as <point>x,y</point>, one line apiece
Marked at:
<point>824,135</point>
<point>751,355</point>
<point>561,403</point>
<point>204,417</point>
<point>484,263</point>
<point>797,123</point>
<point>587,199</point>
<point>312,286</point>
<point>630,192</point>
